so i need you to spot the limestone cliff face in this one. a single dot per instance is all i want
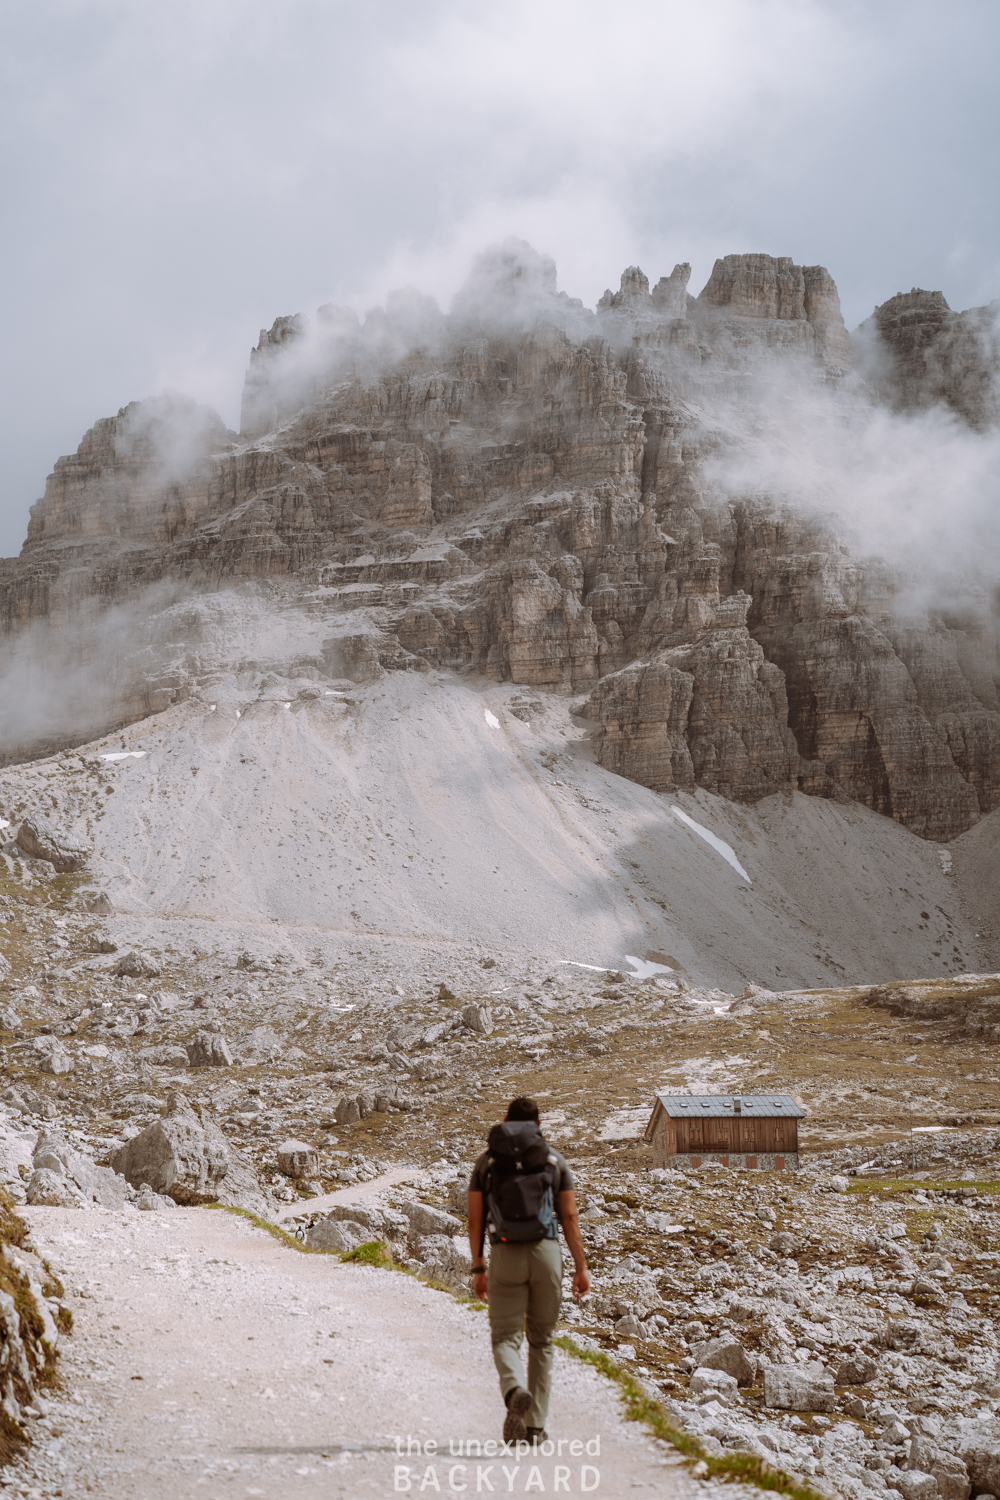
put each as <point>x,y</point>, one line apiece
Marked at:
<point>525,489</point>
<point>932,356</point>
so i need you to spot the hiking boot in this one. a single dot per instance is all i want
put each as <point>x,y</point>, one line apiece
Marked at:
<point>536,1435</point>
<point>518,1402</point>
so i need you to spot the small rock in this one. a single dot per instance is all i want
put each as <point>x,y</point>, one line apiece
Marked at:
<point>297,1159</point>
<point>148,1201</point>
<point>346,1111</point>
<point>99,944</point>
<point>855,1369</point>
<point>51,1056</point>
<point>100,904</point>
<point>628,1327</point>
<point>839,1184</point>
<point>782,1243</point>
<point>444,993</point>
<point>478,1018</point>
<point>135,965</point>
<point>766,1215</point>
<point>209,1049</point>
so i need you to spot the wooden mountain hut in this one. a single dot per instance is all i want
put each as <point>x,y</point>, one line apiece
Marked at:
<point>755,1131</point>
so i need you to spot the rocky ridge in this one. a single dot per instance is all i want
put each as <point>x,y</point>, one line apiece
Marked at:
<point>529,491</point>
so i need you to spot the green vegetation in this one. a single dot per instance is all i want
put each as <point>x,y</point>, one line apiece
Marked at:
<point>887,1187</point>
<point>370,1254</point>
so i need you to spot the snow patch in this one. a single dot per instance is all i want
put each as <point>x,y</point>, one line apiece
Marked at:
<point>125,755</point>
<point>491,719</point>
<point>643,970</point>
<point>717,844</point>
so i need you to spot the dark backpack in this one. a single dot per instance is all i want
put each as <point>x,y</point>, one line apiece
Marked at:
<point>520,1179</point>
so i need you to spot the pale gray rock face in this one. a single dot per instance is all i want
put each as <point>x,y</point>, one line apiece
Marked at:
<point>183,1155</point>
<point>39,837</point>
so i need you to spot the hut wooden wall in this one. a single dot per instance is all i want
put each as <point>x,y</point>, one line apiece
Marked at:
<point>731,1134</point>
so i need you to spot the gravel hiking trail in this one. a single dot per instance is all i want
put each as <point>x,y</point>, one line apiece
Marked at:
<point>208,1359</point>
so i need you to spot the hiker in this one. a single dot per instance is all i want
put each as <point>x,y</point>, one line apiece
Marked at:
<point>524,1190</point>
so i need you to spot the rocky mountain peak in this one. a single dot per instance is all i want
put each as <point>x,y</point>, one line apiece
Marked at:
<point>527,490</point>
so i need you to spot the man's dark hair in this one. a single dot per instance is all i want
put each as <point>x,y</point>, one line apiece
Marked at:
<point>522,1108</point>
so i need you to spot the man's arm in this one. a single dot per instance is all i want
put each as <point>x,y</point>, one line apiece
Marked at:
<point>476,1238</point>
<point>574,1239</point>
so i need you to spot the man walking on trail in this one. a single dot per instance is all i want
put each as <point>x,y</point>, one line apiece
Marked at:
<point>523,1190</point>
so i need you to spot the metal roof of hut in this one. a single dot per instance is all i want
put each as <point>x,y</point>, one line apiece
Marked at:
<point>750,1106</point>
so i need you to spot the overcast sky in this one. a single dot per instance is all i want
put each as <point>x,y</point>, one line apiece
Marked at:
<point>177,174</point>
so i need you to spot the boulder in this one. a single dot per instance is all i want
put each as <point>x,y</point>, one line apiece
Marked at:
<point>377,1223</point>
<point>209,1049</point>
<point>329,1234</point>
<point>148,1201</point>
<point>478,1018</point>
<point>912,1485</point>
<point>135,965</point>
<point>948,1470</point>
<point>855,1369</point>
<point>240,1188</point>
<point>297,1159</point>
<point>426,1220</point>
<point>727,1354</point>
<point>79,1172</point>
<point>445,1259</point>
<point>48,1188</point>
<point>805,1387</point>
<point>346,1111</point>
<point>705,1379</point>
<point>782,1243</point>
<point>172,1055</point>
<point>183,1155</point>
<point>40,838</point>
<point>628,1327</point>
<point>50,1056</point>
<point>981,1455</point>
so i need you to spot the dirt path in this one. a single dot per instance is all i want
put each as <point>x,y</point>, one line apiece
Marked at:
<point>209,1360</point>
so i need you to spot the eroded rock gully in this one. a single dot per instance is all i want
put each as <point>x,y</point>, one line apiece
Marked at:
<point>529,490</point>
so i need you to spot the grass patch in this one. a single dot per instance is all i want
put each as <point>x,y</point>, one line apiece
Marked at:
<point>891,1185</point>
<point>740,1468</point>
<point>370,1254</point>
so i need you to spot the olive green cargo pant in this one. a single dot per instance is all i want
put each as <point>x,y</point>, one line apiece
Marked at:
<point>524,1287</point>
